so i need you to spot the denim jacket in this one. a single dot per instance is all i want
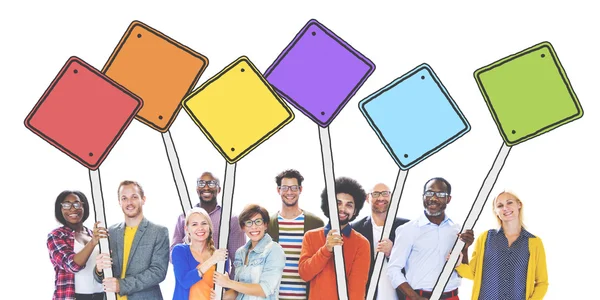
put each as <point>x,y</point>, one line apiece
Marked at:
<point>265,267</point>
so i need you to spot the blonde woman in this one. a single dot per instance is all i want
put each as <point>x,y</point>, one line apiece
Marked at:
<point>194,261</point>
<point>509,262</point>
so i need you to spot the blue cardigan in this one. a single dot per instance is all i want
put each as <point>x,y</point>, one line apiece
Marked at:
<point>186,274</point>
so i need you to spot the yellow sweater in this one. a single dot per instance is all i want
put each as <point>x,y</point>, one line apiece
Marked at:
<point>129,235</point>
<point>537,274</point>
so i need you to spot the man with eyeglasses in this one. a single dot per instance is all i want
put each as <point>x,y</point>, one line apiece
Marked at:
<point>371,227</point>
<point>208,188</point>
<point>287,227</point>
<point>424,244</point>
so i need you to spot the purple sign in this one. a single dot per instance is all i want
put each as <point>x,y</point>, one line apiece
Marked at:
<point>318,73</point>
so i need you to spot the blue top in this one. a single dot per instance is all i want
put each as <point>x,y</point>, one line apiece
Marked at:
<point>186,274</point>
<point>421,251</point>
<point>345,232</point>
<point>505,268</point>
<point>265,267</point>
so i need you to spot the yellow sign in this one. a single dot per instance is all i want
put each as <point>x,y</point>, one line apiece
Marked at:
<point>237,109</point>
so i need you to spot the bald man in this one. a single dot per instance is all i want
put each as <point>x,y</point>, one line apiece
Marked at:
<point>371,227</point>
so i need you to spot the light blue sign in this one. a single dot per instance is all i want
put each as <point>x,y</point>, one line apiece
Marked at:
<point>414,116</point>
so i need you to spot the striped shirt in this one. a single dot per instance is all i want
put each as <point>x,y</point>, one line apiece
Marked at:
<point>291,233</point>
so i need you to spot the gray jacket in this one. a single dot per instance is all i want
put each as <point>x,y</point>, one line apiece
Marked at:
<point>148,260</point>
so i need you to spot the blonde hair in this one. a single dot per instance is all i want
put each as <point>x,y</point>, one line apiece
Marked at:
<point>210,243</point>
<point>518,201</point>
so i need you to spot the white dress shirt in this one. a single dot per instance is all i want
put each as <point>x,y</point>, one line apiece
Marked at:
<point>421,249</point>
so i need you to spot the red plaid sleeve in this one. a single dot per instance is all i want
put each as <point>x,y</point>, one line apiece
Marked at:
<point>60,245</point>
<point>61,252</point>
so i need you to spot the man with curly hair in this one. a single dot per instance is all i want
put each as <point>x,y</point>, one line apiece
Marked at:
<point>316,259</point>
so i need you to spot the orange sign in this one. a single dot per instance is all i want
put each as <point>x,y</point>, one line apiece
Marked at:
<point>158,69</point>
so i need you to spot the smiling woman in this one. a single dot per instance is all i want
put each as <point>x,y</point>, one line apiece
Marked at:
<point>194,261</point>
<point>508,262</point>
<point>258,264</point>
<point>73,248</point>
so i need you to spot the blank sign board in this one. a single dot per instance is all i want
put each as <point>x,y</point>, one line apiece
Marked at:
<point>318,73</point>
<point>237,109</point>
<point>414,116</point>
<point>83,113</point>
<point>528,93</point>
<point>157,68</point>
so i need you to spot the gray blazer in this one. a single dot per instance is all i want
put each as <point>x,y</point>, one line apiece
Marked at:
<point>148,260</point>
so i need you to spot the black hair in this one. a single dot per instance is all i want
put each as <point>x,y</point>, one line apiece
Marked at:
<point>348,186</point>
<point>291,173</point>
<point>446,183</point>
<point>61,198</point>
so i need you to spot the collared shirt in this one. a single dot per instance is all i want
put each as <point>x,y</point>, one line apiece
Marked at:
<point>237,238</point>
<point>265,267</point>
<point>345,232</point>
<point>385,290</point>
<point>422,252</point>
<point>504,267</point>
<point>61,243</point>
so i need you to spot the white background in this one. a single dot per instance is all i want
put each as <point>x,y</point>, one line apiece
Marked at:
<point>552,173</point>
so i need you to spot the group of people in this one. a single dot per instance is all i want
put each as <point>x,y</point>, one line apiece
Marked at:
<point>289,254</point>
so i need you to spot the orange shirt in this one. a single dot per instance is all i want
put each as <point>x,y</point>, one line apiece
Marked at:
<point>316,265</point>
<point>201,289</point>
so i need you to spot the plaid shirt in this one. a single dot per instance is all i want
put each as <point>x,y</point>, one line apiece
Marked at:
<point>60,248</point>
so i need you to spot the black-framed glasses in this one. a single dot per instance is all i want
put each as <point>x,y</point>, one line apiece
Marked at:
<point>285,188</point>
<point>211,183</point>
<point>258,222</point>
<point>68,205</point>
<point>430,194</point>
<point>377,194</point>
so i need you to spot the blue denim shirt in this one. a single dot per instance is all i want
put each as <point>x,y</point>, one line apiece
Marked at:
<point>265,267</point>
